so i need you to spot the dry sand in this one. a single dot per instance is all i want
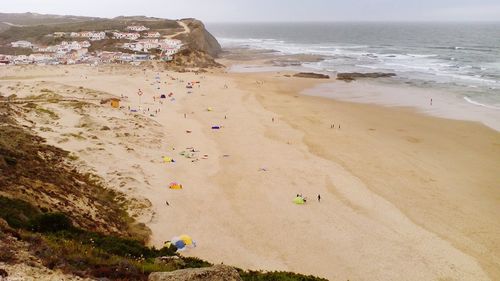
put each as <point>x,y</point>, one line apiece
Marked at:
<point>404,196</point>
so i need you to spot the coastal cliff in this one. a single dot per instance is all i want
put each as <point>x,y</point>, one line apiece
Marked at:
<point>199,39</point>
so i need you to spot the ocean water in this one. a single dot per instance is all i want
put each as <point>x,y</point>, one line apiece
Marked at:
<point>461,57</point>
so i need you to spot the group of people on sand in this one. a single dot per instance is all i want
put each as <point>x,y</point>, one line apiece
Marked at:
<point>305,198</point>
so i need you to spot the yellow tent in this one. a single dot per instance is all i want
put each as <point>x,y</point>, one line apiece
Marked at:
<point>175,185</point>
<point>187,239</point>
<point>298,200</point>
<point>209,109</point>
<point>167,159</point>
<point>115,103</point>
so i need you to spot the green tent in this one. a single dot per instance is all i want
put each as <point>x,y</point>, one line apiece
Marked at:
<point>298,200</point>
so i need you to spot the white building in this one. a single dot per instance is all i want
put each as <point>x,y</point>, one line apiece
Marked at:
<point>48,49</point>
<point>118,35</point>
<point>126,35</point>
<point>78,54</point>
<point>170,51</point>
<point>59,34</point>
<point>91,35</point>
<point>95,36</point>
<point>39,58</point>
<point>21,44</point>
<point>172,43</point>
<point>137,28</point>
<point>152,35</point>
<point>4,59</point>
<point>143,45</point>
<point>126,57</point>
<point>168,46</point>
<point>21,59</point>
<point>64,47</point>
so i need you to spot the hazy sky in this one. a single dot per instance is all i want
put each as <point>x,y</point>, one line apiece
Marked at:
<point>271,10</point>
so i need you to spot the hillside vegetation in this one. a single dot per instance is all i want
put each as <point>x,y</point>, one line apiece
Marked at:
<point>38,33</point>
<point>36,19</point>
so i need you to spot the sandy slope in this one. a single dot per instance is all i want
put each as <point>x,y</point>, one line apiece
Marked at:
<point>400,196</point>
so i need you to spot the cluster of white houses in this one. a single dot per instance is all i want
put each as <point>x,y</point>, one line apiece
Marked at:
<point>169,47</point>
<point>63,48</point>
<point>75,58</point>
<point>71,52</point>
<point>90,35</point>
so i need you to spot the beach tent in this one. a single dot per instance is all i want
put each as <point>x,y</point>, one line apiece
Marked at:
<point>209,109</point>
<point>298,200</point>
<point>215,127</point>
<point>182,242</point>
<point>115,103</point>
<point>178,243</point>
<point>187,239</point>
<point>175,185</point>
<point>163,96</point>
<point>167,159</point>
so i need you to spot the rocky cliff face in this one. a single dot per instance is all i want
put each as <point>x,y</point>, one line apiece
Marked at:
<point>199,39</point>
<point>188,58</point>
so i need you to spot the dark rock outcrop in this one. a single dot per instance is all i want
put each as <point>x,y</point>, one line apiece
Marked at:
<point>350,76</point>
<point>311,75</point>
<point>214,273</point>
<point>199,39</point>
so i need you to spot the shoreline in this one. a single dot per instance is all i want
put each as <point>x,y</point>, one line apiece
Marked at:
<point>412,196</point>
<point>394,94</point>
<point>383,91</point>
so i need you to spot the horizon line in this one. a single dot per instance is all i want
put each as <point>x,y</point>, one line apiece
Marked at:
<point>270,21</point>
<point>363,21</point>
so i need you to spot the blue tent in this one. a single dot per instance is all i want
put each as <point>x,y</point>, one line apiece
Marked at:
<point>179,244</point>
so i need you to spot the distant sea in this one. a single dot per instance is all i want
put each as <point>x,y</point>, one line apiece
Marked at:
<point>462,57</point>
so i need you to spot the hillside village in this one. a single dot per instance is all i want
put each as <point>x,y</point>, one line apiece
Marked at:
<point>140,44</point>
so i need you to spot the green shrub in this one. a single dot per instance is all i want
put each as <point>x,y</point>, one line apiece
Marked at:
<point>48,112</point>
<point>50,222</point>
<point>17,213</point>
<point>192,262</point>
<point>276,276</point>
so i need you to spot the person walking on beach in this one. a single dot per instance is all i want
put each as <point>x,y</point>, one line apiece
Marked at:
<point>272,119</point>
<point>319,197</point>
<point>431,101</point>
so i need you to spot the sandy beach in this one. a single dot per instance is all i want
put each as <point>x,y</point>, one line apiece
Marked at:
<point>404,195</point>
